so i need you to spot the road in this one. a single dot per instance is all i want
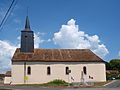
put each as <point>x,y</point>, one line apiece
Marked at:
<point>113,86</point>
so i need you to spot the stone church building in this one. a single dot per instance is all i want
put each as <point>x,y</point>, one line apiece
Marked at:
<point>36,66</point>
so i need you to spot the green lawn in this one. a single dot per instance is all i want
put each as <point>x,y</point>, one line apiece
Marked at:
<point>54,83</point>
<point>61,83</point>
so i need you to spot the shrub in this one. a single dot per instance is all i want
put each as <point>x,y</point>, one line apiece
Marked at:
<point>57,81</point>
<point>110,76</point>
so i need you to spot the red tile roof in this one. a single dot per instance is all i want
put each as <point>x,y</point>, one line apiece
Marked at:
<point>57,55</point>
<point>112,71</point>
<point>2,75</point>
<point>8,73</point>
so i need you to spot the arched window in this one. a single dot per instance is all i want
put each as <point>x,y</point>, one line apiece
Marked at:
<point>84,70</point>
<point>67,69</point>
<point>48,71</point>
<point>29,70</point>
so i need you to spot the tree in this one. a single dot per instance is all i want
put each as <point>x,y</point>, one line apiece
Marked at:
<point>114,64</point>
<point>108,67</point>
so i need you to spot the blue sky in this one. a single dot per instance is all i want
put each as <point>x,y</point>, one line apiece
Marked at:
<point>94,17</point>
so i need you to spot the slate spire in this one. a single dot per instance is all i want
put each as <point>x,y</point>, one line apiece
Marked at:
<point>27,38</point>
<point>27,25</point>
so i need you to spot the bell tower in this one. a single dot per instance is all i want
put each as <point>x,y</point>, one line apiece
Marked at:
<point>27,38</point>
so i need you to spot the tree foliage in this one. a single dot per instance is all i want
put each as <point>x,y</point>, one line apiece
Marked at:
<point>114,64</point>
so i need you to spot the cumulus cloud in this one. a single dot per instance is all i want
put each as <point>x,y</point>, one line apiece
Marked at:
<point>37,40</point>
<point>71,37</point>
<point>49,40</point>
<point>7,50</point>
<point>119,53</point>
<point>1,13</point>
<point>17,21</point>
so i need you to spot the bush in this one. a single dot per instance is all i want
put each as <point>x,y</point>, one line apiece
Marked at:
<point>111,76</point>
<point>54,83</point>
<point>57,81</point>
<point>114,64</point>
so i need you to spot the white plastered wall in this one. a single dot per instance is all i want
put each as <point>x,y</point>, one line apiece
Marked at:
<point>17,73</point>
<point>39,72</point>
<point>7,80</point>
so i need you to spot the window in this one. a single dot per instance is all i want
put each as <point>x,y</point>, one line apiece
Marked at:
<point>29,70</point>
<point>48,71</point>
<point>67,69</point>
<point>84,70</point>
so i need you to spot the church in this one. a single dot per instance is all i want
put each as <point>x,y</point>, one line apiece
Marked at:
<point>37,66</point>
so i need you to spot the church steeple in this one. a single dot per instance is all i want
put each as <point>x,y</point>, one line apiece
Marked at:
<point>27,38</point>
<point>27,25</point>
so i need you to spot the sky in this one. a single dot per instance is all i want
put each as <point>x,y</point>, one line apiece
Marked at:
<point>62,24</point>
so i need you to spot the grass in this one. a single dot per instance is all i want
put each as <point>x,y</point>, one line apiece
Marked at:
<point>62,83</point>
<point>54,83</point>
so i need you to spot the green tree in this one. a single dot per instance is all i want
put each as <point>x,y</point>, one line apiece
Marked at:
<point>108,67</point>
<point>114,64</point>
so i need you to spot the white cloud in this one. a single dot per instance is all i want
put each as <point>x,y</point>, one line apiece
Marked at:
<point>2,13</point>
<point>49,40</point>
<point>7,50</point>
<point>71,37</point>
<point>17,21</point>
<point>41,33</point>
<point>37,40</point>
<point>119,53</point>
<point>18,38</point>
